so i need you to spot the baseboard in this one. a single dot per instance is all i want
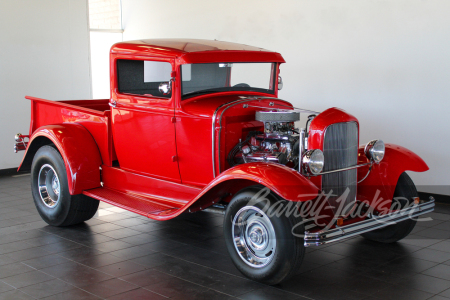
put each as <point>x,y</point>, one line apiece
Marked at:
<point>11,172</point>
<point>439,198</point>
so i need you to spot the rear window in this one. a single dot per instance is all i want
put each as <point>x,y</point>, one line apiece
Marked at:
<point>143,78</point>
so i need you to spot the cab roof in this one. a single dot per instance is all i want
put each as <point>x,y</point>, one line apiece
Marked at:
<point>187,51</point>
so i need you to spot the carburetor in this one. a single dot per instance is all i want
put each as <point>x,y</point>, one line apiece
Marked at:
<point>278,143</point>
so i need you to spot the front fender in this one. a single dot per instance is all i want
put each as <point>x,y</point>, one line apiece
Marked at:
<point>380,185</point>
<point>284,181</point>
<point>78,149</point>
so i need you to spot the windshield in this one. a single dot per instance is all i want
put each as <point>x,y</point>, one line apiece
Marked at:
<point>199,79</point>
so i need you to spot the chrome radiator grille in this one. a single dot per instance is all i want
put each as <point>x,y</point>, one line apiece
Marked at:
<point>340,149</point>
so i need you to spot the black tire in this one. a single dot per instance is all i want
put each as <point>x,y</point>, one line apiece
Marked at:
<point>65,209</point>
<point>289,249</point>
<point>404,192</point>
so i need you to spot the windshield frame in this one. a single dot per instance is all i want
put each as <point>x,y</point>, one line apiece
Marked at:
<point>274,72</point>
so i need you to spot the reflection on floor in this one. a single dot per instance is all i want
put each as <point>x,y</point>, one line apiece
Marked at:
<point>120,255</point>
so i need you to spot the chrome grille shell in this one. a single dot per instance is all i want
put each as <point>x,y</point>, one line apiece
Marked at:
<point>340,149</point>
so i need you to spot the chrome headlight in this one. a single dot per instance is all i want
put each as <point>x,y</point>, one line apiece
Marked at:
<point>313,161</point>
<point>375,150</point>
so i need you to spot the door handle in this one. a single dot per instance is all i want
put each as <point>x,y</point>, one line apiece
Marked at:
<point>113,103</point>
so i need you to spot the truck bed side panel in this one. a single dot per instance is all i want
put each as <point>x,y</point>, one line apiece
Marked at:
<point>46,112</point>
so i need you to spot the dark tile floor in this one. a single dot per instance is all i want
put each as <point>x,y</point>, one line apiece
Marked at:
<point>120,255</point>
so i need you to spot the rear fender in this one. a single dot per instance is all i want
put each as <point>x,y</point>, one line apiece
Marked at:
<point>78,150</point>
<point>287,183</point>
<point>378,188</point>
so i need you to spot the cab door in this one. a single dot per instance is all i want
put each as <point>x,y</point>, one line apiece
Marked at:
<point>143,128</point>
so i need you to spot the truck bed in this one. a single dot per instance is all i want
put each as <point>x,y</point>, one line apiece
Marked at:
<point>96,104</point>
<point>94,115</point>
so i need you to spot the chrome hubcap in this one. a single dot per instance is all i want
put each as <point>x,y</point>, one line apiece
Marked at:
<point>253,236</point>
<point>55,185</point>
<point>48,185</point>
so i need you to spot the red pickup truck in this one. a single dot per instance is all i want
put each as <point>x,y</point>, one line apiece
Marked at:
<point>197,125</point>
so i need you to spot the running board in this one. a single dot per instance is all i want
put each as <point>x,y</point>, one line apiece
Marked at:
<point>135,203</point>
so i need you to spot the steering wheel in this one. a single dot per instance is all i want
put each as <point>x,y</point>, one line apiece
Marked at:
<point>241,85</point>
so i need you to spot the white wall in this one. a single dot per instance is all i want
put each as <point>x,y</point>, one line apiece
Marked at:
<point>44,52</point>
<point>101,43</point>
<point>386,62</point>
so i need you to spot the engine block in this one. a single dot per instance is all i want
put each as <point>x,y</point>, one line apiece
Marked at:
<point>278,143</point>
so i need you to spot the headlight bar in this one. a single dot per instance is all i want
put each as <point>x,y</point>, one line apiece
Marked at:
<point>343,169</point>
<point>367,150</point>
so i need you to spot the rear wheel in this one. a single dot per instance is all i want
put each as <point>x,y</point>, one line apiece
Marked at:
<point>50,191</point>
<point>261,244</point>
<point>403,195</point>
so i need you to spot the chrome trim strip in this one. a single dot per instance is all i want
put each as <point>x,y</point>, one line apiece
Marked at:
<point>340,233</point>
<point>214,136</point>
<point>301,149</point>
<point>343,169</point>
<point>220,121</point>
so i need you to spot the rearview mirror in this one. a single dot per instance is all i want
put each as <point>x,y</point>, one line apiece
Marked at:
<point>165,87</point>
<point>280,83</point>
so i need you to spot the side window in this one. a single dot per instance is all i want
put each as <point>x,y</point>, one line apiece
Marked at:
<point>142,77</point>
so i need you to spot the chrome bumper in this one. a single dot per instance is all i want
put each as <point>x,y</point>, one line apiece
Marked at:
<point>341,233</point>
<point>20,144</point>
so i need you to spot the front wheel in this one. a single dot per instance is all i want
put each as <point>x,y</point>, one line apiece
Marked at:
<point>50,191</point>
<point>405,191</point>
<point>261,243</point>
